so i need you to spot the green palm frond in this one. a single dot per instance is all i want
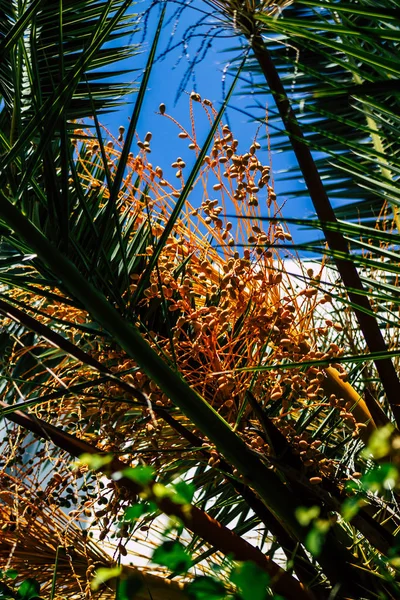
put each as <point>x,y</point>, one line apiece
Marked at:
<point>340,68</point>
<point>44,50</point>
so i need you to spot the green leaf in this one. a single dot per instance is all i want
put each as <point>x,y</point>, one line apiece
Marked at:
<point>104,574</point>
<point>141,474</point>
<point>206,588</point>
<point>382,477</point>
<point>251,580</point>
<point>162,491</point>
<point>379,442</point>
<point>128,588</point>
<point>173,556</point>
<point>184,492</point>
<point>350,508</point>
<point>316,536</point>
<point>180,493</point>
<point>305,515</point>
<point>11,573</point>
<point>132,513</point>
<point>30,588</point>
<point>395,562</point>
<point>94,461</point>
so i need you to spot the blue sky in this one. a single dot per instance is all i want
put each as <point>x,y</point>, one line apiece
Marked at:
<point>210,79</point>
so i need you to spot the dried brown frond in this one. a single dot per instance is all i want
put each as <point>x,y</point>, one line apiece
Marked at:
<point>37,538</point>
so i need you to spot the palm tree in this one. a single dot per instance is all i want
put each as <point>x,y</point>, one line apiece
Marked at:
<point>138,329</point>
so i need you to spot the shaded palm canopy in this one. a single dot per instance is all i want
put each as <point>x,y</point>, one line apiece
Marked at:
<point>143,326</point>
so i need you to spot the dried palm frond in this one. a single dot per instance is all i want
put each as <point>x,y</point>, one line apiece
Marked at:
<point>39,540</point>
